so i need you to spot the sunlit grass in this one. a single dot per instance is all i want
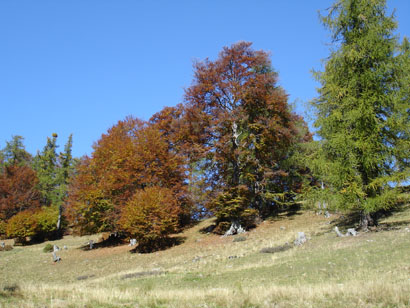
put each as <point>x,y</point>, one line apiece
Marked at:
<point>371,270</point>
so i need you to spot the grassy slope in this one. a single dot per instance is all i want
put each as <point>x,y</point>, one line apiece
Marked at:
<point>371,270</point>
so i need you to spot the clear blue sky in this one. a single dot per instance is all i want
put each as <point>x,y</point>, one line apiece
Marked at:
<point>79,66</point>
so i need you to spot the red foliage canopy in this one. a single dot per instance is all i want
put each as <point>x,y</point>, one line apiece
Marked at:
<point>245,122</point>
<point>18,190</point>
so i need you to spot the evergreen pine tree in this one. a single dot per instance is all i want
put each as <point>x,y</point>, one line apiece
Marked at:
<point>363,110</point>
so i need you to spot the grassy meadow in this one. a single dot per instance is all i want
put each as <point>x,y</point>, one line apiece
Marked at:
<point>206,270</point>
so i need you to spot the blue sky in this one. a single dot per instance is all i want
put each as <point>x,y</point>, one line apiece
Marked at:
<point>80,66</point>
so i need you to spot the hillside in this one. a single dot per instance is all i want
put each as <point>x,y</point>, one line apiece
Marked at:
<point>206,270</point>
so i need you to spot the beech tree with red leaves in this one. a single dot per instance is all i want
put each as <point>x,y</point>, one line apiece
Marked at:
<point>247,130</point>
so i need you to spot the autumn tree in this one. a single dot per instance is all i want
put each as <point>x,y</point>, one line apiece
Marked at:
<point>18,183</point>
<point>22,225</point>
<point>18,190</point>
<point>150,216</point>
<point>106,180</point>
<point>186,139</point>
<point>246,129</point>
<point>363,110</point>
<point>132,156</point>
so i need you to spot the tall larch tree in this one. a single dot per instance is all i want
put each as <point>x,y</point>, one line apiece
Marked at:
<point>363,110</point>
<point>247,129</point>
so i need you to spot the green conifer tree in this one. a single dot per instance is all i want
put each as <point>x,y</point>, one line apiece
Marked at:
<point>15,153</point>
<point>363,110</point>
<point>64,172</point>
<point>54,171</point>
<point>45,164</point>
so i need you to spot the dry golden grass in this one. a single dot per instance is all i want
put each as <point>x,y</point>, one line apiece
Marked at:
<point>371,270</point>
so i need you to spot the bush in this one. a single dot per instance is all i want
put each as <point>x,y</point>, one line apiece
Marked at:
<point>36,224</point>
<point>48,248</point>
<point>47,219</point>
<point>249,218</point>
<point>233,205</point>
<point>150,216</point>
<point>22,225</point>
<point>230,204</point>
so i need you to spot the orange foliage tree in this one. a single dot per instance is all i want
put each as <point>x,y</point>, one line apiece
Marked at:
<point>131,157</point>
<point>150,216</point>
<point>185,136</point>
<point>22,225</point>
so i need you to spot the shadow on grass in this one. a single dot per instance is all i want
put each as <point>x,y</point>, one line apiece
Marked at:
<point>285,212</point>
<point>107,240</point>
<point>208,229</point>
<point>163,244</point>
<point>8,291</point>
<point>352,220</point>
<point>277,214</point>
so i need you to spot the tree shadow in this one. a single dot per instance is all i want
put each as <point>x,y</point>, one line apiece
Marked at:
<point>107,240</point>
<point>208,229</point>
<point>293,210</point>
<point>349,220</point>
<point>160,245</point>
<point>285,212</point>
<point>352,220</point>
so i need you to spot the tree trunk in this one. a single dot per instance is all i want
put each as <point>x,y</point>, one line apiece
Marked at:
<point>60,210</point>
<point>235,162</point>
<point>366,221</point>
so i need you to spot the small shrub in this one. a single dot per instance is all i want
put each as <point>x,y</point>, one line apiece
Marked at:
<point>47,219</point>
<point>232,205</point>
<point>22,225</point>
<point>48,248</point>
<point>249,218</point>
<point>150,216</point>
